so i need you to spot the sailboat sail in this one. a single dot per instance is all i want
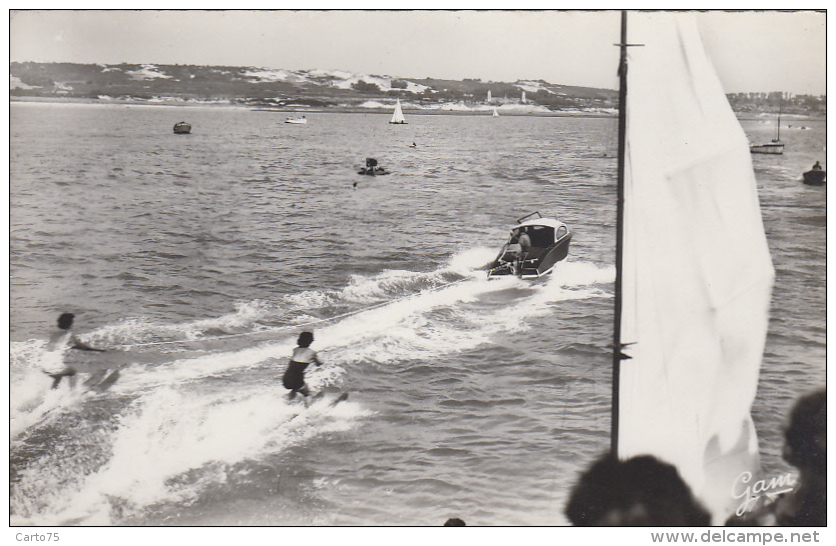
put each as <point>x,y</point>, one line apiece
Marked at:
<point>494,112</point>
<point>696,274</point>
<point>397,116</point>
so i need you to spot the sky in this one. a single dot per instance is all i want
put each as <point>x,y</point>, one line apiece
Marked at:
<point>753,51</point>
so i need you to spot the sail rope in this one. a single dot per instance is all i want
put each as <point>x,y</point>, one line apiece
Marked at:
<point>296,326</point>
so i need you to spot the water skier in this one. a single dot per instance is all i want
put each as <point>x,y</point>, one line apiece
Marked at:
<point>294,376</point>
<point>59,342</point>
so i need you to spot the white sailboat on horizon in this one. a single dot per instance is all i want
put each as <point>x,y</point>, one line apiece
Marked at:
<point>397,116</point>
<point>693,270</point>
<point>495,114</point>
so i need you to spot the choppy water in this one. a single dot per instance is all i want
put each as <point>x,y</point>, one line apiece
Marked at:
<point>198,259</point>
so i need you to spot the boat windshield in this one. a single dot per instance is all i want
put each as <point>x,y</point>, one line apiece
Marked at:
<point>540,236</point>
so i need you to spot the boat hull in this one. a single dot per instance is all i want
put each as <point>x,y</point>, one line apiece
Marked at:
<point>182,129</point>
<point>774,149</point>
<point>397,123</point>
<point>815,178</point>
<point>532,269</point>
<point>377,171</point>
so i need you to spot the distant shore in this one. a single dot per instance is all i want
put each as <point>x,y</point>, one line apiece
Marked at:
<point>749,116</point>
<point>290,109</point>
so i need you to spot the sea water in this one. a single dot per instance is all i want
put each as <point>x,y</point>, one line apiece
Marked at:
<point>197,260</point>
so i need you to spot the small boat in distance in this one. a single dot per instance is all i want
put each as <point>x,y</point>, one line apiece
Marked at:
<point>545,241</point>
<point>397,116</point>
<point>776,147</point>
<point>372,168</point>
<point>182,128</point>
<point>815,176</point>
<point>301,120</point>
<point>494,114</point>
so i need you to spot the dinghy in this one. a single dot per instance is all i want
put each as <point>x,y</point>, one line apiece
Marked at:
<point>397,116</point>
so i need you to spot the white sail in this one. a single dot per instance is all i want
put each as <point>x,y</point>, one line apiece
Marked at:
<point>495,113</point>
<point>697,275</point>
<point>397,116</point>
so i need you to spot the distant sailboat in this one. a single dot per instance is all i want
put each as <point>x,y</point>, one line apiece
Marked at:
<point>495,114</point>
<point>776,146</point>
<point>397,116</point>
<point>693,270</point>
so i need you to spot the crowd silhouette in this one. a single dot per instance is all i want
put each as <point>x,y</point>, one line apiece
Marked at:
<point>644,491</point>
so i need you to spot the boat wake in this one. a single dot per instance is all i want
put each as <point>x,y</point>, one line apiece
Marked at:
<point>187,416</point>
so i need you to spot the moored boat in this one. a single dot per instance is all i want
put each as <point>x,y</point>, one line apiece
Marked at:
<point>372,168</point>
<point>182,128</point>
<point>534,247</point>
<point>776,147</point>
<point>298,121</point>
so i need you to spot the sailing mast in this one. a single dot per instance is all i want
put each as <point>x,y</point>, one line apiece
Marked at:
<point>693,271</point>
<point>780,108</point>
<point>619,245</point>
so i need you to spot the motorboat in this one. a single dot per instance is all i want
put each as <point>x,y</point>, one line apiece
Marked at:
<point>372,168</point>
<point>534,247</point>
<point>299,121</point>
<point>182,128</point>
<point>815,176</point>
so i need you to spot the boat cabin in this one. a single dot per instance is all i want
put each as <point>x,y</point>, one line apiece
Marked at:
<point>534,246</point>
<point>542,234</point>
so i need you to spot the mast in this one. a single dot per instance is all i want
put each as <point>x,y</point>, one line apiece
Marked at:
<point>693,323</point>
<point>619,246</point>
<point>780,108</point>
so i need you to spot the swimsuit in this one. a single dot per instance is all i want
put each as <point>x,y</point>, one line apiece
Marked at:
<point>294,377</point>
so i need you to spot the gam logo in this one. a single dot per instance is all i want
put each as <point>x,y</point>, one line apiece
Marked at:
<point>749,494</point>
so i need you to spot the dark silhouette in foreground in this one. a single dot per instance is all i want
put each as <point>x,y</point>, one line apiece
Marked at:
<point>805,448</point>
<point>641,491</point>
